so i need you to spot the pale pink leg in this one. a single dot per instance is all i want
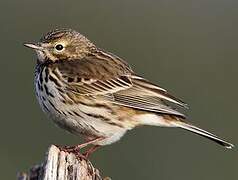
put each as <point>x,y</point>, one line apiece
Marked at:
<point>76,149</point>
<point>80,146</point>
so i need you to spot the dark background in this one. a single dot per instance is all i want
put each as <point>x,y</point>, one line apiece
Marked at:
<point>188,47</point>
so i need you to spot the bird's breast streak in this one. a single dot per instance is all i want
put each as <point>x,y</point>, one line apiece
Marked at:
<point>76,118</point>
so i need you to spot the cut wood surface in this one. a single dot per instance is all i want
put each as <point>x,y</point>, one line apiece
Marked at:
<point>61,165</point>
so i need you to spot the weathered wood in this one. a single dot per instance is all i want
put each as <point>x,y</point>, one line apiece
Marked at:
<point>60,165</point>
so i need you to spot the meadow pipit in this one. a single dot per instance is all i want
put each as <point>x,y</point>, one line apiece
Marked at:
<point>93,93</point>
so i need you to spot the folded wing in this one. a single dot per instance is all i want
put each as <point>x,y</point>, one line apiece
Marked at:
<point>109,77</point>
<point>129,91</point>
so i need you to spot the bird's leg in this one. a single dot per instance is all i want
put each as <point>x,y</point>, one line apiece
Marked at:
<point>88,152</point>
<point>80,146</point>
<point>76,149</point>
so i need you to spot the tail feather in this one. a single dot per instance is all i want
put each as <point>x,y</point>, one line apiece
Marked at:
<point>203,133</point>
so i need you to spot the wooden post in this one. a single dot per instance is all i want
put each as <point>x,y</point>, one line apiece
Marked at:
<point>60,165</point>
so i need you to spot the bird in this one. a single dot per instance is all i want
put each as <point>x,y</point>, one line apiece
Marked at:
<point>95,94</point>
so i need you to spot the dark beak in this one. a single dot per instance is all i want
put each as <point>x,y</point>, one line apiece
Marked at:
<point>33,46</point>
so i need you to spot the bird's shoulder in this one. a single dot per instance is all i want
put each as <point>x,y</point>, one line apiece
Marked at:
<point>97,64</point>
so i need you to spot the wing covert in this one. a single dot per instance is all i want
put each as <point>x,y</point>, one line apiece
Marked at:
<point>111,78</point>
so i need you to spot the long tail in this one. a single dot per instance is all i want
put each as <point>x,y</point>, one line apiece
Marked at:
<point>203,133</point>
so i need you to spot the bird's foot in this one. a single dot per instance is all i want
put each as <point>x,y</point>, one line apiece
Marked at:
<point>76,149</point>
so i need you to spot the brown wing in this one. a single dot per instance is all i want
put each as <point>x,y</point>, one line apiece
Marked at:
<point>146,96</point>
<point>144,85</point>
<point>98,66</point>
<point>108,76</point>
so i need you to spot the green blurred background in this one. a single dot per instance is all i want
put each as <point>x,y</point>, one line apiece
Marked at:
<point>188,47</point>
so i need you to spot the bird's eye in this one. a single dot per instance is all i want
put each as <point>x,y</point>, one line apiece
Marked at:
<point>59,47</point>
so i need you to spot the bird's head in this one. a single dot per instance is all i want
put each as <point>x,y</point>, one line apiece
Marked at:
<point>61,44</point>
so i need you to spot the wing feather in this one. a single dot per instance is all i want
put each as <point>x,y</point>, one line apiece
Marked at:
<point>123,91</point>
<point>144,103</point>
<point>111,78</point>
<point>100,87</point>
<point>157,91</point>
